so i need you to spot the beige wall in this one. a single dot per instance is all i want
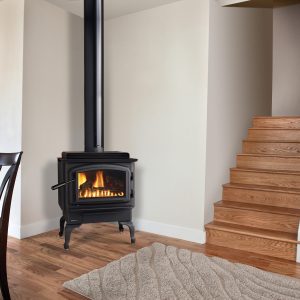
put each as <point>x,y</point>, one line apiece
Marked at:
<point>11,67</point>
<point>156,104</point>
<point>52,107</point>
<point>286,63</point>
<point>156,94</point>
<point>240,86</point>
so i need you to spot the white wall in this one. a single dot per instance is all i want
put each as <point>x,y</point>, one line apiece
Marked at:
<point>240,86</point>
<point>11,67</point>
<point>52,107</point>
<point>286,64</point>
<point>156,104</point>
<point>156,97</point>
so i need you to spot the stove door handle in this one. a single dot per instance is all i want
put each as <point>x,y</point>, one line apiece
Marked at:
<point>60,185</point>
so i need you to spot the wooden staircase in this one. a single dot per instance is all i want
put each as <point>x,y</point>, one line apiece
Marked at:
<point>260,210</point>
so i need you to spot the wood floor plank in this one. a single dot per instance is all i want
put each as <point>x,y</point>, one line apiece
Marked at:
<point>38,266</point>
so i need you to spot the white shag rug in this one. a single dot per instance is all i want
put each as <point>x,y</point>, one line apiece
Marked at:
<point>165,272</point>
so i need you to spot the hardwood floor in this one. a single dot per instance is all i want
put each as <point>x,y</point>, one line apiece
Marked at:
<point>38,266</point>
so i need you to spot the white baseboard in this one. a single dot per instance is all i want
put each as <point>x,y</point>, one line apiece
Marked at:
<point>38,227</point>
<point>183,233</point>
<point>14,231</point>
<point>24,231</point>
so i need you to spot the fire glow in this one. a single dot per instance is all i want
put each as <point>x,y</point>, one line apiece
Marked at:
<point>95,188</point>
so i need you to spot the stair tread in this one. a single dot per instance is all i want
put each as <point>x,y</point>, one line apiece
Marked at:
<point>251,231</point>
<point>273,128</point>
<point>276,117</point>
<point>271,141</point>
<point>259,207</point>
<point>267,171</point>
<point>269,155</point>
<point>263,188</point>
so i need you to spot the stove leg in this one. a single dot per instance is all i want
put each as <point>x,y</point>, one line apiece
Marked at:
<point>121,227</point>
<point>62,226</point>
<point>68,230</point>
<point>131,230</point>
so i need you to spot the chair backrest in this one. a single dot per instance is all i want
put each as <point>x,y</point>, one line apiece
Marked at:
<point>11,160</point>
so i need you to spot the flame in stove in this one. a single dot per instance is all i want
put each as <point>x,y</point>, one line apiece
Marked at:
<point>81,179</point>
<point>89,193</point>
<point>99,182</point>
<point>95,188</point>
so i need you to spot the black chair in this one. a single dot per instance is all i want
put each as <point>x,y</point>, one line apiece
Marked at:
<point>11,160</point>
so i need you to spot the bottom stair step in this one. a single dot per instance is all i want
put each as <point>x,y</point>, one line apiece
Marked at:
<point>266,242</point>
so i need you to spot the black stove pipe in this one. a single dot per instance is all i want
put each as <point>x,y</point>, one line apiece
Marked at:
<point>94,75</point>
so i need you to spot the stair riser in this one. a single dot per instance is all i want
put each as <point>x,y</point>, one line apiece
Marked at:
<point>274,135</point>
<point>276,123</point>
<point>268,179</point>
<point>257,219</point>
<point>271,148</point>
<point>268,163</point>
<point>279,199</point>
<point>254,244</point>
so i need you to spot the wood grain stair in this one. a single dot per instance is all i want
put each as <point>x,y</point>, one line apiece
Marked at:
<point>268,162</point>
<point>276,122</point>
<point>266,242</point>
<point>258,216</point>
<point>265,177</point>
<point>274,134</point>
<point>264,195</point>
<point>271,147</point>
<point>260,207</point>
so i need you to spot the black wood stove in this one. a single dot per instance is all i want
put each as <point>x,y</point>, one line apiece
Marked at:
<point>95,185</point>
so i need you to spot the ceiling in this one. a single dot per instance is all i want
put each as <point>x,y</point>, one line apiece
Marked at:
<point>113,8</point>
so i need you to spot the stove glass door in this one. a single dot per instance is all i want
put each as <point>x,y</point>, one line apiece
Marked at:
<point>101,183</point>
